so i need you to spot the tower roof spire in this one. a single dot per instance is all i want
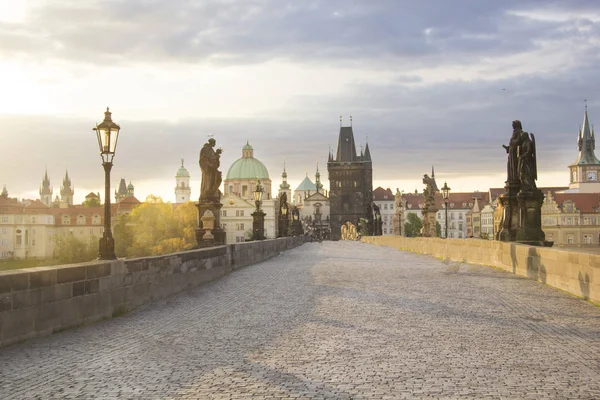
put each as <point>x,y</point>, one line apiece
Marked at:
<point>586,143</point>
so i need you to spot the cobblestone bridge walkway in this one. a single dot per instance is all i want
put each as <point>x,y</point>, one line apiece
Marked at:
<point>341,320</point>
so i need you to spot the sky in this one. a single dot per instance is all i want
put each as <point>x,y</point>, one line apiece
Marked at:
<point>429,82</point>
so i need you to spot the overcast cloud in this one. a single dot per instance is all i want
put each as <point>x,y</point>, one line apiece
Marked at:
<point>429,82</point>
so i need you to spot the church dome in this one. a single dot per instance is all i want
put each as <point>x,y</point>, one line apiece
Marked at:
<point>247,167</point>
<point>182,172</point>
<point>130,186</point>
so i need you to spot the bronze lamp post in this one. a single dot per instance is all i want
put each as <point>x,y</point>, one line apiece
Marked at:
<point>258,223</point>
<point>446,196</point>
<point>108,134</point>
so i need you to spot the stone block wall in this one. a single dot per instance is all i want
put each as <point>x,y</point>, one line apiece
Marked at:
<point>576,273</point>
<point>44,300</point>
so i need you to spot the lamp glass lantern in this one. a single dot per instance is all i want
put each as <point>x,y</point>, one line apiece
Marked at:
<point>107,133</point>
<point>258,193</point>
<point>445,191</point>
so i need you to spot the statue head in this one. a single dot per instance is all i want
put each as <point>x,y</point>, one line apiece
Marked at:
<point>516,124</point>
<point>212,141</point>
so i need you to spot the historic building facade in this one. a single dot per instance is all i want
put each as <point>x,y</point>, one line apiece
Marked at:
<point>350,182</point>
<point>238,198</point>
<point>384,199</point>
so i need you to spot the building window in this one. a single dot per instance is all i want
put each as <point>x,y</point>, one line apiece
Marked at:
<point>66,220</point>
<point>81,220</point>
<point>587,239</point>
<point>3,231</point>
<point>4,220</point>
<point>385,207</point>
<point>460,235</point>
<point>33,242</point>
<point>241,213</point>
<point>224,213</point>
<point>33,219</point>
<point>4,242</point>
<point>569,239</point>
<point>244,191</point>
<point>224,226</point>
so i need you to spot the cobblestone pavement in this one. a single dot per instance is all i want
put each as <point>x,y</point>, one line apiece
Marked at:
<point>341,320</point>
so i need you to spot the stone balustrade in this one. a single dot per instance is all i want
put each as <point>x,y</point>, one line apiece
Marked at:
<point>44,300</point>
<point>575,272</point>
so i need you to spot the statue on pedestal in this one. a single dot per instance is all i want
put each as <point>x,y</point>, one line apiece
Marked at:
<point>210,196</point>
<point>429,207</point>
<point>522,200</point>
<point>398,214</point>
<point>210,160</point>
<point>284,221</point>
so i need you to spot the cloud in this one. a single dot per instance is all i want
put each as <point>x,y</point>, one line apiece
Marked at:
<point>254,31</point>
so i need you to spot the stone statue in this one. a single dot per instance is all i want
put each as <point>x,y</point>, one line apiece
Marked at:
<point>211,176</point>
<point>527,163</point>
<point>377,223</point>
<point>512,168</point>
<point>429,191</point>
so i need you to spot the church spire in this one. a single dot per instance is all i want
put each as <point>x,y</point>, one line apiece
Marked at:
<point>67,191</point>
<point>46,190</point>
<point>318,183</point>
<point>284,184</point>
<point>586,143</point>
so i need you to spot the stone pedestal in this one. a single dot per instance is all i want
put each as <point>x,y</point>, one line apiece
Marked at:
<point>284,226</point>
<point>258,225</point>
<point>510,216</point>
<point>530,213</point>
<point>217,233</point>
<point>429,220</point>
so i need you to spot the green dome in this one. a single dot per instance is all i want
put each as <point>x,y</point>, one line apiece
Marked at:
<point>247,168</point>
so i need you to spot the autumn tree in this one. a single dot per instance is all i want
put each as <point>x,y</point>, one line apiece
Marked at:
<point>155,227</point>
<point>69,249</point>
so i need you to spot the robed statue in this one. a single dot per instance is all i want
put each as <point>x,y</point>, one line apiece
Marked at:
<point>429,191</point>
<point>210,160</point>
<point>522,163</point>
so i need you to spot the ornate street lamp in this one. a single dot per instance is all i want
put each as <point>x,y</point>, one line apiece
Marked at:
<point>108,134</point>
<point>258,223</point>
<point>446,196</point>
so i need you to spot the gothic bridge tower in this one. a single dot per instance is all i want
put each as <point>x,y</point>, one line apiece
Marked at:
<point>350,182</point>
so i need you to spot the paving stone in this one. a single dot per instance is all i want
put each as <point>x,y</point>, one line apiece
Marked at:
<point>338,320</point>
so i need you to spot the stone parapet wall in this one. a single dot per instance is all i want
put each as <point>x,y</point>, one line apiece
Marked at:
<point>573,272</point>
<point>44,300</point>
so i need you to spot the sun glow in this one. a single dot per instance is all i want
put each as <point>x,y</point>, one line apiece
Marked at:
<point>13,11</point>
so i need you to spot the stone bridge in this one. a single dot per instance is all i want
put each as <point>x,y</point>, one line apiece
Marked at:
<point>339,320</point>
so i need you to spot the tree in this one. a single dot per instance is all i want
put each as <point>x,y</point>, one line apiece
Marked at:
<point>155,227</point>
<point>92,202</point>
<point>413,225</point>
<point>123,233</point>
<point>68,249</point>
<point>438,229</point>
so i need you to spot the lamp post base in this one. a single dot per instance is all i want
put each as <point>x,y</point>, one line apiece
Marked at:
<point>107,249</point>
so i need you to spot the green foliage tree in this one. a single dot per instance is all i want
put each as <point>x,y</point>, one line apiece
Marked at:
<point>123,233</point>
<point>68,249</point>
<point>413,225</point>
<point>438,229</point>
<point>93,202</point>
<point>155,227</point>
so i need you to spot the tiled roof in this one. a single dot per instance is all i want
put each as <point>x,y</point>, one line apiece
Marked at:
<point>584,202</point>
<point>130,200</point>
<point>381,194</point>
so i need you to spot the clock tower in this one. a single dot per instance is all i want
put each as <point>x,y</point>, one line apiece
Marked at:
<point>585,171</point>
